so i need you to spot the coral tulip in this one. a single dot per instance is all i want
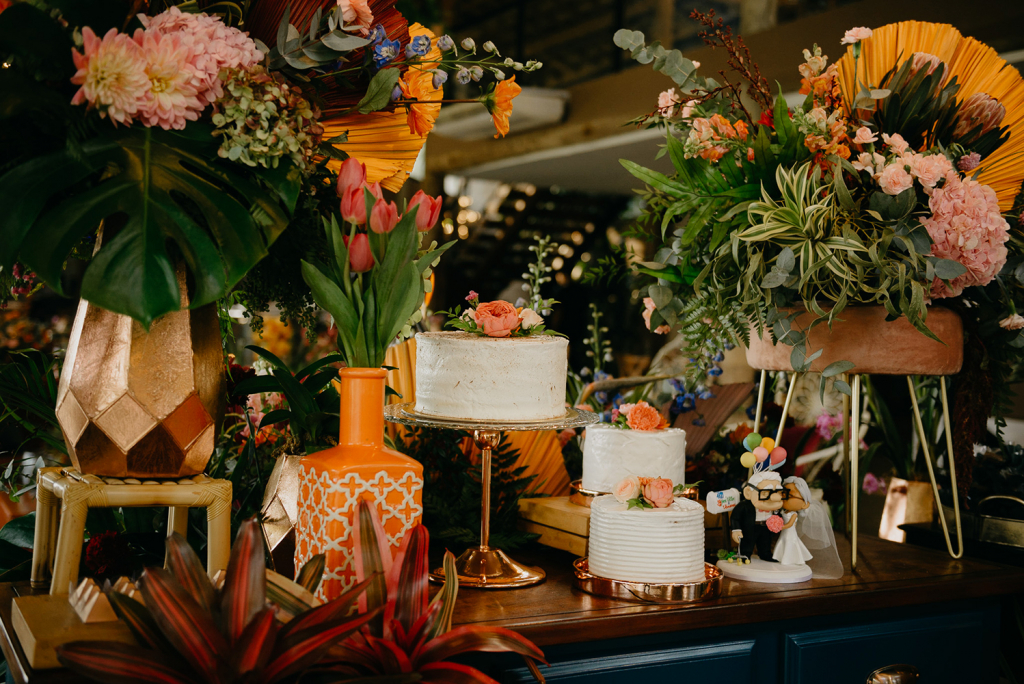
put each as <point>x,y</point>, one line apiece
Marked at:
<point>351,175</point>
<point>360,258</point>
<point>353,202</point>
<point>428,209</point>
<point>384,217</point>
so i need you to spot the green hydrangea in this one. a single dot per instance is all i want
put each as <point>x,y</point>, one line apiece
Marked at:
<point>263,119</point>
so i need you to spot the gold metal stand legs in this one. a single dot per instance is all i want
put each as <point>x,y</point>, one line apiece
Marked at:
<point>484,567</point>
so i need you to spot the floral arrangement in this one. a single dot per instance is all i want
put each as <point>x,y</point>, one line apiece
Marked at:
<point>376,282</point>
<point>638,416</point>
<point>894,183</point>
<point>496,319</point>
<point>646,492</point>
<point>198,143</point>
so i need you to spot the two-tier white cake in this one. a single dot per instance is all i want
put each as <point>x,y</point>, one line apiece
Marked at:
<point>611,454</point>
<point>461,375</point>
<point>656,545</point>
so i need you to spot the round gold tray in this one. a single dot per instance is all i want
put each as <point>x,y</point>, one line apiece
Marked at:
<point>642,592</point>
<point>407,415</point>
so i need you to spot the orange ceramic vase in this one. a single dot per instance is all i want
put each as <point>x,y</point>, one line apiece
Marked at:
<point>331,483</point>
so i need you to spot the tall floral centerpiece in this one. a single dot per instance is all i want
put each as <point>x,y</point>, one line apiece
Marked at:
<point>895,184</point>
<point>171,150</point>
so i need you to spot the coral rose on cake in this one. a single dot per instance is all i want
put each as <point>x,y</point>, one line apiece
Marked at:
<point>627,489</point>
<point>530,319</point>
<point>643,416</point>
<point>658,491</point>
<point>497,319</point>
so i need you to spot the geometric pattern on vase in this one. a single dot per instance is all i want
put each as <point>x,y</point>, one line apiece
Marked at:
<point>138,403</point>
<point>327,505</point>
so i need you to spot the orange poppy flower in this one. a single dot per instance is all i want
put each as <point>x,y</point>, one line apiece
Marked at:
<point>500,104</point>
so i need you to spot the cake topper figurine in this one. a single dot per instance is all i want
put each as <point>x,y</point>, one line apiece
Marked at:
<point>789,549</point>
<point>756,520</point>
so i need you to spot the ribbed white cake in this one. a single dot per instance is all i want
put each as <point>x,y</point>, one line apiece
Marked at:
<point>460,375</point>
<point>611,454</point>
<point>659,545</point>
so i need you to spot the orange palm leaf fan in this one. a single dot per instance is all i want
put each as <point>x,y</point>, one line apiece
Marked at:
<point>978,69</point>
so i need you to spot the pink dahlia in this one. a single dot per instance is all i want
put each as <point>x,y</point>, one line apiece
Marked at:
<point>171,99</point>
<point>212,44</point>
<point>111,73</point>
<point>967,227</point>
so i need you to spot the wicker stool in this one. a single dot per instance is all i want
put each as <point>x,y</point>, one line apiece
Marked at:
<point>76,493</point>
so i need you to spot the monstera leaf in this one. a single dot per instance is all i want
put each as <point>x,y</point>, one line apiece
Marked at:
<point>167,197</point>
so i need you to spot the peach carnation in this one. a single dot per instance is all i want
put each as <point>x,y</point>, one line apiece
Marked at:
<point>895,179</point>
<point>667,102</point>
<point>864,136</point>
<point>658,491</point>
<point>855,35</point>
<point>1012,322</point>
<point>498,319</point>
<point>895,142</point>
<point>627,489</point>
<point>357,13</point>
<point>642,416</point>
<point>928,170</point>
<point>111,73</point>
<point>967,227</point>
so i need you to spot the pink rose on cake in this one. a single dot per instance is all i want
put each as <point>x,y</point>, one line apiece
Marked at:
<point>627,489</point>
<point>658,491</point>
<point>497,319</point>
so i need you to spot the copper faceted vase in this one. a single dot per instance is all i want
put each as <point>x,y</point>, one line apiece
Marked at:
<point>138,404</point>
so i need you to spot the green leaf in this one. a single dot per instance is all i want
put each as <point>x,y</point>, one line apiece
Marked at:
<point>658,181</point>
<point>378,93</point>
<point>20,531</point>
<point>340,41</point>
<point>947,269</point>
<point>837,367</point>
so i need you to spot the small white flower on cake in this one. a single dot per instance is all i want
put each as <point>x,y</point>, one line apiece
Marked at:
<point>530,318</point>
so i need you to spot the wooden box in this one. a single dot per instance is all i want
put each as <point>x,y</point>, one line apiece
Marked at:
<point>560,524</point>
<point>44,622</point>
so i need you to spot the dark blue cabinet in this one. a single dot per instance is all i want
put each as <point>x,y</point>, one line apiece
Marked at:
<point>947,643</point>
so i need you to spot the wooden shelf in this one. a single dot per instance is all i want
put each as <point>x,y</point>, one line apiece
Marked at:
<point>888,576</point>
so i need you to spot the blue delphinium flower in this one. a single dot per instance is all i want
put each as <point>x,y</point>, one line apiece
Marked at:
<point>705,395</point>
<point>377,34</point>
<point>714,371</point>
<point>440,76</point>
<point>476,72</point>
<point>699,422</point>
<point>752,411</point>
<point>396,94</point>
<point>445,43</point>
<point>384,52</point>
<point>417,47</point>
<point>718,358</point>
<point>462,76</point>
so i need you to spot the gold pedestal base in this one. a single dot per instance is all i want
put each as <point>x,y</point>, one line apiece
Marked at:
<point>487,568</point>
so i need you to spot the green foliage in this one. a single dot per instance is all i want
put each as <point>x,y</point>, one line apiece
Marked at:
<point>452,491</point>
<point>170,192</point>
<point>312,412</point>
<point>371,309</point>
<point>669,62</point>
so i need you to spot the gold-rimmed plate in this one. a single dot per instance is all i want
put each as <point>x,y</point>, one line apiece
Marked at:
<point>644,592</point>
<point>406,414</point>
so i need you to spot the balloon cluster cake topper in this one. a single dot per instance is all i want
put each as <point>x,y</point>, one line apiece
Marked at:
<point>762,453</point>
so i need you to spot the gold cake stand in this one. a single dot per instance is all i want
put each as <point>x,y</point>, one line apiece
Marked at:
<point>644,592</point>
<point>484,567</point>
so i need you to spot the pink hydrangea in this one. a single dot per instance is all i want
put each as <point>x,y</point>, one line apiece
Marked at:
<point>111,73</point>
<point>212,45</point>
<point>967,227</point>
<point>171,99</point>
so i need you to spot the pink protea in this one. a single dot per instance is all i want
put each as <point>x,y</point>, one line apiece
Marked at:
<point>172,99</point>
<point>112,75</point>
<point>967,227</point>
<point>213,46</point>
<point>979,109</point>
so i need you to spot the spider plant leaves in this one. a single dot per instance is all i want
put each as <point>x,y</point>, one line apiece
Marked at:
<point>171,190</point>
<point>656,180</point>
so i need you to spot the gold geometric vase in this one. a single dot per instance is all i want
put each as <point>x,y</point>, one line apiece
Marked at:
<point>142,404</point>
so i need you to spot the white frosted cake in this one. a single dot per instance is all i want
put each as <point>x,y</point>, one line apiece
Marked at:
<point>655,545</point>
<point>461,375</point>
<point>611,454</point>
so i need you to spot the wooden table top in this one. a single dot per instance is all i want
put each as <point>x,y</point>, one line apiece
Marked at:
<point>888,575</point>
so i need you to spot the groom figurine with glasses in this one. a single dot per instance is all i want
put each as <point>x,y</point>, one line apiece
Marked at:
<point>751,519</point>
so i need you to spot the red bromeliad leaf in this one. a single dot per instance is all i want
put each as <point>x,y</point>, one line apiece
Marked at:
<point>256,644</point>
<point>392,659</point>
<point>475,638</point>
<point>138,619</point>
<point>328,612</point>
<point>191,631</point>
<point>312,572</point>
<point>117,663</point>
<point>184,564</point>
<point>454,673</point>
<point>302,650</point>
<point>372,560</point>
<point>245,587</point>
<point>445,598</point>
<point>421,630</point>
<point>354,652</point>
<point>407,582</point>
<point>398,633</point>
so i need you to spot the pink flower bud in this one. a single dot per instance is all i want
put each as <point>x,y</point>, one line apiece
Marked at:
<point>353,205</point>
<point>384,217</point>
<point>351,175</point>
<point>360,258</point>
<point>428,210</point>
